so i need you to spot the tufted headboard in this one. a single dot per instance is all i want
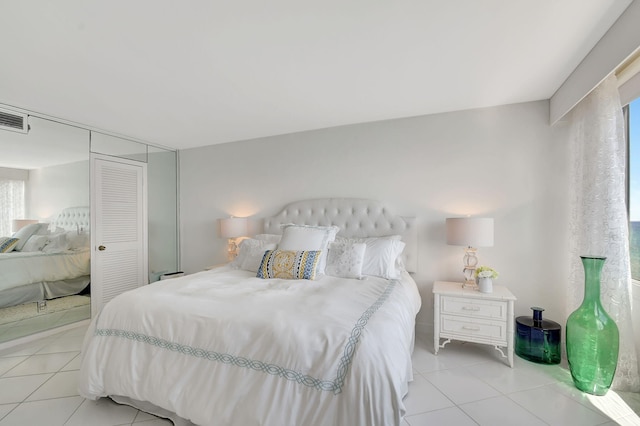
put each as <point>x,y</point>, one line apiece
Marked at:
<point>73,219</point>
<point>356,217</point>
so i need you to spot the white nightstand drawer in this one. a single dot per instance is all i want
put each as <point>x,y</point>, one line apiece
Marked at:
<point>476,308</point>
<point>452,325</point>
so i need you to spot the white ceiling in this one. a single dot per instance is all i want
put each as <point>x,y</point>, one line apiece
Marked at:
<point>194,72</point>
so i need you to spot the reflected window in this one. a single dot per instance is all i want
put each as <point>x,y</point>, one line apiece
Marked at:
<point>11,204</point>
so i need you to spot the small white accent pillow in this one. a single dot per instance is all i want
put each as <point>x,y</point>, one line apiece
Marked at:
<point>345,259</point>
<point>308,238</point>
<point>250,254</point>
<point>381,256</point>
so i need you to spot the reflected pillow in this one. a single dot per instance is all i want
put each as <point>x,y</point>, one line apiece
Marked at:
<point>7,244</point>
<point>289,265</point>
<point>78,241</point>
<point>25,232</point>
<point>56,244</point>
<point>35,243</point>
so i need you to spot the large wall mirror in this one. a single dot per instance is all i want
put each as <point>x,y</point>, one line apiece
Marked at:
<point>162,197</point>
<point>44,202</point>
<point>44,199</point>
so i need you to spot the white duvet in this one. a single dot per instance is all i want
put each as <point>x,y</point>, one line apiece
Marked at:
<point>20,268</point>
<point>225,348</point>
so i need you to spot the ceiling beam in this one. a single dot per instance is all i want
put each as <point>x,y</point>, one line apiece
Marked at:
<point>614,48</point>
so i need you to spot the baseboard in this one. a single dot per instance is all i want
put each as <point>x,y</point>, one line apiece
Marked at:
<point>33,337</point>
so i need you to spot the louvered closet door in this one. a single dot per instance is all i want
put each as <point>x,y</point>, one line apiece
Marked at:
<point>119,236</point>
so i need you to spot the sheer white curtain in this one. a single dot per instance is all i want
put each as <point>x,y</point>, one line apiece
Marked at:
<point>11,204</point>
<point>599,223</point>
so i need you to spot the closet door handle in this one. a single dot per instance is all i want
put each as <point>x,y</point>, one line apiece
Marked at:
<point>102,248</point>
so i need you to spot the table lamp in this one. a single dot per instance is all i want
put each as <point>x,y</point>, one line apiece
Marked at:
<point>470,232</point>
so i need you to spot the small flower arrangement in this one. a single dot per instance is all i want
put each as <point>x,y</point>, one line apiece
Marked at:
<point>486,272</point>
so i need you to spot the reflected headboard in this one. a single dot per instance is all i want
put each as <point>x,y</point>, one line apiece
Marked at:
<point>356,217</point>
<point>73,219</point>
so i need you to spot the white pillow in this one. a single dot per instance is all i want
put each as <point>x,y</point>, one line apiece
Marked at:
<point>270,238</point>
<point>250,254</point>
<point>25,232</point>
<point>35,243</point>
<point>244,246</point>
<point>365,239</point>
<point>345,259</point>
<point>241,253</point>
<point>310,238</point>
<point>56,243</point>
<point>382,255</point>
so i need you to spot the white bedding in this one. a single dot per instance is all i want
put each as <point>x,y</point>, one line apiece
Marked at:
<point>222,347</point>
<point>22,268</point>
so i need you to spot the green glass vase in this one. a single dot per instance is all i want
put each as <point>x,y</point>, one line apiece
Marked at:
<point>592,336</point>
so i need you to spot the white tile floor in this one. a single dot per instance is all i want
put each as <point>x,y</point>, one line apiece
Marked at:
<point>464,384</point>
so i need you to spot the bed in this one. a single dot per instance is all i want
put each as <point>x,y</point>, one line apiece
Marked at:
<point>49,261</point>
<point>271,339</point>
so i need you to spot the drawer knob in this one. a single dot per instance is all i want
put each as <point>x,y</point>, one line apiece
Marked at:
<point>466,327</point>
<point>470,308</point>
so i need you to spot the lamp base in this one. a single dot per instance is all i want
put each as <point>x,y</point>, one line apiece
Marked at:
<point>470,261</point>
<point>232,249</point>
<point>469,285</point>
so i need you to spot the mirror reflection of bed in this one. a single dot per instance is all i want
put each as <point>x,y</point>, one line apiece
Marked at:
<point>45,279</point>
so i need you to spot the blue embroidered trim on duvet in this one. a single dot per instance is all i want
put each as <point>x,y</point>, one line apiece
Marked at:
<point>334,386</point>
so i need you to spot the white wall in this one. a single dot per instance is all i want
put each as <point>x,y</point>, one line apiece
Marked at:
<point>504,162</point>
<point>13,174</point>
<point>51,189</point>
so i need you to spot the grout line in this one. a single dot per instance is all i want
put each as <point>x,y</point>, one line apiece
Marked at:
<point>75,411</point>
<point>70,361</point>
<point>36,389</point>
<point>10,411</point>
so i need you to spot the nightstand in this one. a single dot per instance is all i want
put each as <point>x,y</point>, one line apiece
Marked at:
<point>471,316</point>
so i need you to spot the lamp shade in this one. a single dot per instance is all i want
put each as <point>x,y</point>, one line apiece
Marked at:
<point>470,231</point>
<point>233,227</point>
<point>18,224</point>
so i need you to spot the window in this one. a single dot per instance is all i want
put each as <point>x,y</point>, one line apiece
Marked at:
<point>11,204</point>
<point>633,120</point>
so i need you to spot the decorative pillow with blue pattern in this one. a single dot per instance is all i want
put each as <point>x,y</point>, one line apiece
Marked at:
<point>289,264</point>
<point>7,244</point>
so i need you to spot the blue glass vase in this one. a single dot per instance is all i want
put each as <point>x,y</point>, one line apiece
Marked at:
<point>538,339</point>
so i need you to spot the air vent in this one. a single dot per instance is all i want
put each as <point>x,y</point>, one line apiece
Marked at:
<point>14,121</point>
